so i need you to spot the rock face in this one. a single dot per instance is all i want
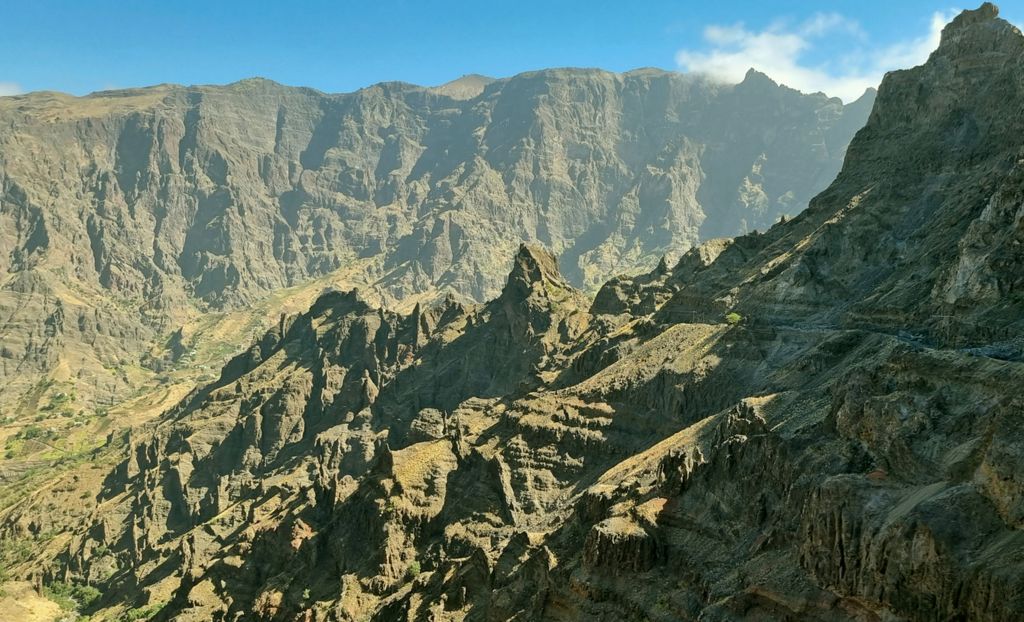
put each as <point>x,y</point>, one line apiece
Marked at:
<point>819,422</point>
<point>167,202</point>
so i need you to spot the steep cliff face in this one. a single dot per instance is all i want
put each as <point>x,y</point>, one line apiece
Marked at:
<point>164,202</point>
<point>777,427</point>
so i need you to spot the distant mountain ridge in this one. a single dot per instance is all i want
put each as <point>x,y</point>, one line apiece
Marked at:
<point>166,202</point>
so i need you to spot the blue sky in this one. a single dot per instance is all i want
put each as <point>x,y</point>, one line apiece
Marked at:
<point>82,46</point>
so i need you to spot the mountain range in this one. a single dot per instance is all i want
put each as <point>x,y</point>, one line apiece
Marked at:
<point>815,421</point>
<point>146,234</point>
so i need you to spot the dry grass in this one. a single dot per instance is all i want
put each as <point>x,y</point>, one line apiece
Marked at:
<point>20,603</point>
<point>52,106</point>
<point>648,461</point>
<point>417,464</point>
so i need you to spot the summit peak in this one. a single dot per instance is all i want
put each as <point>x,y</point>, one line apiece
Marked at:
<point>533,264</point>
<point>533,269</point>
<point>977,32</point>
<point>986,12</point>
<point>753,76</point>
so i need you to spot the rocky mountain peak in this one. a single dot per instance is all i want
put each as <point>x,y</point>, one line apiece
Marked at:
<point>928,185</point>
<point>537,297</point>
<point>753,75</point>
<point>979,33</point>
<point>532,267</point>
<point>987,12</point>
<point>959,102</point>
<point>755,79</point>
<point>867,97</point>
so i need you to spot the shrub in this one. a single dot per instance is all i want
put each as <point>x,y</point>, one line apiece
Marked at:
<point>86,595</point>
<point>733,318</point>
<point>33,431</point>
<point>141,613</point>
<point>72,597</point>
<point>413,570</point>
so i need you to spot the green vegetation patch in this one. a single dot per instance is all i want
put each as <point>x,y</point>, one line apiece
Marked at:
<point>141,613</point>
<point>413,570</point>
<point>72,596</point>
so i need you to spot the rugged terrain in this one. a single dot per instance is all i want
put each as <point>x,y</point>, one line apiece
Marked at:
<point>818,422</point>
<point>186,207</point>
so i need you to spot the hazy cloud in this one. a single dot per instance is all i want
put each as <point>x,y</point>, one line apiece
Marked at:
<point>9,88</point>
<point>787,53</point>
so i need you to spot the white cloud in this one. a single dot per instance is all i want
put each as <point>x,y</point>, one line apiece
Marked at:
<point>9,88</point>
<point>785,52</point>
